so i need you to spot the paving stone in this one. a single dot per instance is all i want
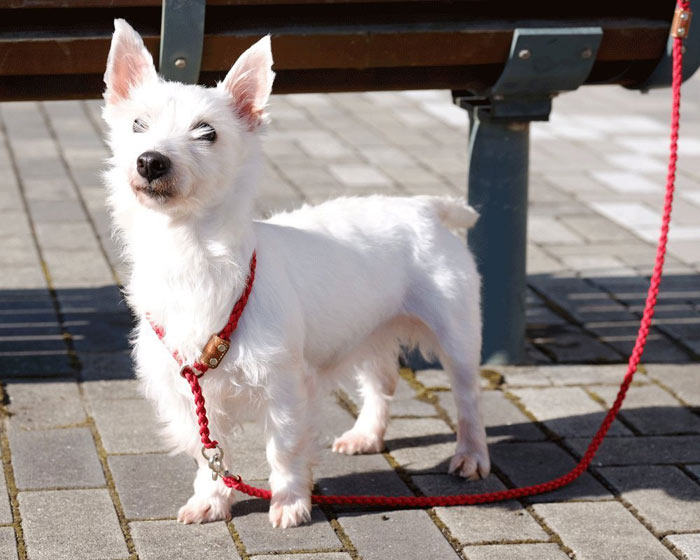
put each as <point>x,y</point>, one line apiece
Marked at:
<point>314,556</point>
<point>108,365</point>
<point>128,426</point>
<point>145,496</point>
<point>351,474</point>
<point>652,411</point>
<point>5,510</point>
<point>567,411</point>
<point>396,535</point>
<point>250,517</point>
<point>8,543</point>
<point>36,405</point>
<point>503,420</point>
<point>648,450</point>
<point>549,551</point>
<point>357,175</point>
<point>420,445</point>
<point>587,528</point>
<point>682,379</point>
<point>485,523</point>
<point>687,545</point>
<point>531,463</point>
<point>663,495</point>
<point>56,522</point>
<point>169,540</point>
<point>558,375</point>
<point>434,378</point>
<point>113,389</point>
<point>68,459</point>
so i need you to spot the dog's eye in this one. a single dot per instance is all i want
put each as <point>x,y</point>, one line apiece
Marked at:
<point>204,131</point>
<point>139,126</point>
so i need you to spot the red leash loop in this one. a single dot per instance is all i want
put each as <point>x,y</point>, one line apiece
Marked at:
<point>432,501</point>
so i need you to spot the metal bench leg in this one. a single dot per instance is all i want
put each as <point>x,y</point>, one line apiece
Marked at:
<point>497,188</point>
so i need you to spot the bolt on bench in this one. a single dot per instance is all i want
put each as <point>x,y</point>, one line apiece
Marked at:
<point>503,61</point>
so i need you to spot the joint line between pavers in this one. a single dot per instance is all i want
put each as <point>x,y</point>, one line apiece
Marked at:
<point>9,473</point>
<point>111,487</point>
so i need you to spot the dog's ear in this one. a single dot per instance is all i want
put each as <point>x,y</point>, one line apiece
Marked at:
<point>249,83</point>
<point>128,64</point>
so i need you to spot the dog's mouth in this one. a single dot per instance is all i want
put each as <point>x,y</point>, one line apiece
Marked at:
<point>157,191</point>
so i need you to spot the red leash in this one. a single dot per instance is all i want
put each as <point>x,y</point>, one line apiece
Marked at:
<point>192,373</point>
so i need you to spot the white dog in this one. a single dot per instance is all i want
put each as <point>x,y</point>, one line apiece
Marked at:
<point>337,285</point>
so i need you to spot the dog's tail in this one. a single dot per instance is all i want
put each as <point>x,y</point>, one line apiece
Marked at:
<point>454,213</point>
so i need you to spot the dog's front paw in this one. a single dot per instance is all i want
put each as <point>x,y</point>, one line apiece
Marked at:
<point>353,443</point>
<point>204,510</point>
<point>290,513</point>
<point>473,466</point>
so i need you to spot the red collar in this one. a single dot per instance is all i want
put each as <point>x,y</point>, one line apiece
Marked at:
<point>218,344</point>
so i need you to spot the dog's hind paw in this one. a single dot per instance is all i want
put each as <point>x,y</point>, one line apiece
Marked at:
<point>204,510</point>
<point>285,515</point>
<point>472,466</point>
<point>354,443</point>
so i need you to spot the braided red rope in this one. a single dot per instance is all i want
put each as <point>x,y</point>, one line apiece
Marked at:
<point>431,501</point>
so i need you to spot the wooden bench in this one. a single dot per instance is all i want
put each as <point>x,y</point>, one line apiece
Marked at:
<point>504,61</point>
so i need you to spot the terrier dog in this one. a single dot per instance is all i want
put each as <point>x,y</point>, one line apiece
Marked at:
<point>337,287</point>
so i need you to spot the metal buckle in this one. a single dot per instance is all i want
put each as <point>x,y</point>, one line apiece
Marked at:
<point>193,369</point>
<point>216,462</point>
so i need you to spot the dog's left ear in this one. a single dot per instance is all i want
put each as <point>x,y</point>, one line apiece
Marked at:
<point>249,83</point>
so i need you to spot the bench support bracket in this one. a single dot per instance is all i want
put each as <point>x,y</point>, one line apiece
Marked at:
<point>542,63</point>
<point>181,40</point>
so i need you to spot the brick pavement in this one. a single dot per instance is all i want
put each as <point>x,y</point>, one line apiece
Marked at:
<point>84,479</point>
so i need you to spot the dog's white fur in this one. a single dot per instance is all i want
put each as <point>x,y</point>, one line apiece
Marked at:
<point>337,286</point>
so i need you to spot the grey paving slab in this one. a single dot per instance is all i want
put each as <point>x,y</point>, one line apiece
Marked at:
<point>8,543</point>
<point>420,445</point>
<point>36,405</point>
<point>596,530</point>
<point>503,420</point>
<point>651,450</point>
<point>653,411</point>
<point>152,485</point>
<point>403,403</point>
<point>500,522</point>
<point>549,551</point>
<point>169,540</point>
<point>56,522</point>
<point>64,458</point>
<point>663,495</point>
<point>434,378</point>
<point>127,426</point>
<point>695,470</point>
<point>314,556</point>
<point>107,365</point>
<point>396,535</point>
<point>5,510</point>
<point>112,389</point>
<point>682,379</point>
<point>250,517</point>
<point>562,375</point>
<point>531,463</point>
<point>687,545</point>
<point>357,474</point>
<point>566,411</point>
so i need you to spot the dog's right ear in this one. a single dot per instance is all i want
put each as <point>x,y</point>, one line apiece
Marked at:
<point>129,63</point>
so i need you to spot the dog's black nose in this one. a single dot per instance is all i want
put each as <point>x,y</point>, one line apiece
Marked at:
<point>152,165</point>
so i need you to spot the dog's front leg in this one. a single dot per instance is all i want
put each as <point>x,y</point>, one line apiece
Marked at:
<point>211,501</point>
<point>290,438</point>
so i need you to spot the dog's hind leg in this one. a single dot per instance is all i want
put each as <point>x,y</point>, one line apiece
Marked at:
<point>377,375</point>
